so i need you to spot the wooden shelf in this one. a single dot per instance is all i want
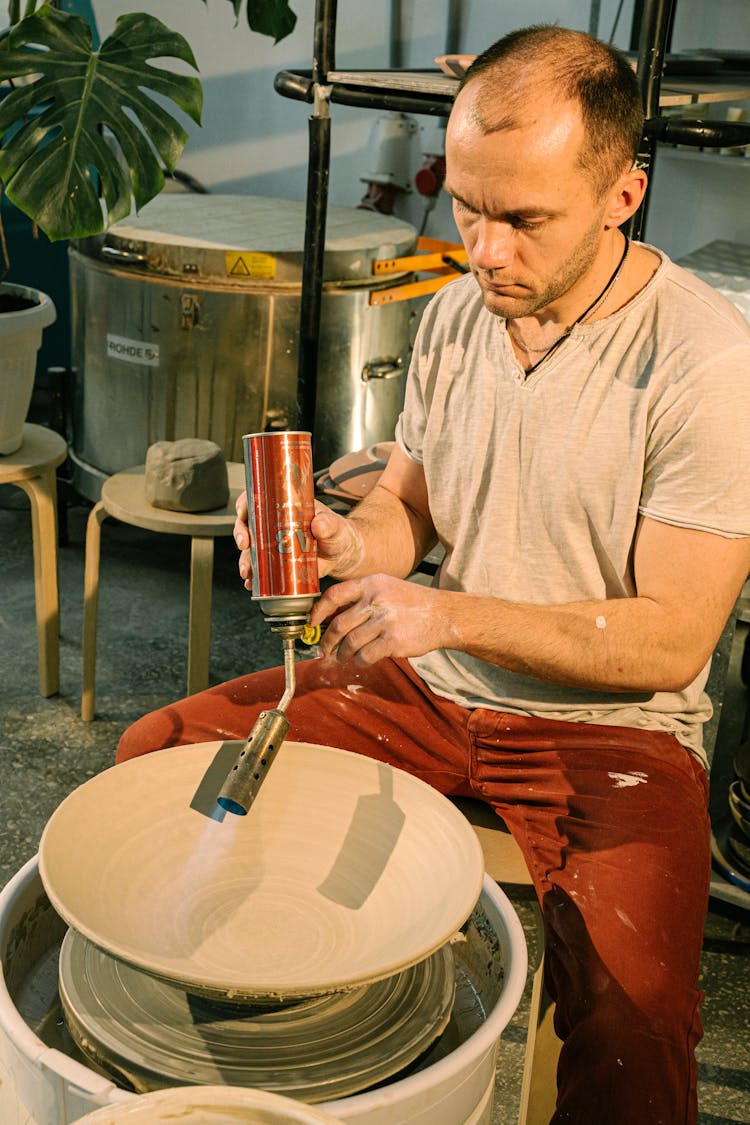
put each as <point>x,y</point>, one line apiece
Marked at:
<point>431,82</point>
<point>675,91</point>
<point>705,156</point>
<point>701,91</point>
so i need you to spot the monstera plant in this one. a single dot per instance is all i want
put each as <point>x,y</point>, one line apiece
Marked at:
<point>85,136</point>
<point>84,133</point>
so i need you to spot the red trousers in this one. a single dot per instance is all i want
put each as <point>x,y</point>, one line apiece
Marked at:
<point>614,827</point>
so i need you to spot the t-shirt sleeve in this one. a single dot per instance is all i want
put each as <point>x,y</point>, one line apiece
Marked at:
<point>697,463</point>
<point>412,421</point>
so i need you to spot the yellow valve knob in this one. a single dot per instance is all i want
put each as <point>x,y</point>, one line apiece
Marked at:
<point>311,634</point>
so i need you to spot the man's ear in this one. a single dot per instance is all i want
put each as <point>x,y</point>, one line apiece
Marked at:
<point>624,197</point>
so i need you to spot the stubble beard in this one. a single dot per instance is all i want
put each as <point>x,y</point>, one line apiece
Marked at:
<point>572,270</point>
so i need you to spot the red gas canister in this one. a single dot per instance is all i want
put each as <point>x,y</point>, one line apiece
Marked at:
<point>280,490</point>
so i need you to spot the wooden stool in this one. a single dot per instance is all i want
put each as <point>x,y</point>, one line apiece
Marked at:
<point>32,468</point>
<point>504,862</point>
<point>124,498</point>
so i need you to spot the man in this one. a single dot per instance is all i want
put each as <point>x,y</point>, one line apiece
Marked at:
<point>575,435</point>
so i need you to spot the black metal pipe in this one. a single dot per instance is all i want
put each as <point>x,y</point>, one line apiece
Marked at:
<point>702,133</point>
<point>318,169</point>
<point>651,49</point>
<point>396,37</point>
<point>655,23</point>
<point>454,31</point>
<point>311,297</point>
<point>299,85</point>
<point>324,40</point>
<point>594,12</point>
<point>430,104</point>
<point>636,22</point>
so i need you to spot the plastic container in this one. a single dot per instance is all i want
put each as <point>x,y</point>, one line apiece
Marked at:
<point>41,1084</point>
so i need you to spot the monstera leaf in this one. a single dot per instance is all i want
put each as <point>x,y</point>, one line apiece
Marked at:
<point>268,17</point>
<point>55,162</point>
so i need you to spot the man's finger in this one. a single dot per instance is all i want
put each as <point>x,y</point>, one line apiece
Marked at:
<point>245,565</point>
<point>240,507</point>
<point>240,530</point>
<point>241,535</point>
<point>334,598</point>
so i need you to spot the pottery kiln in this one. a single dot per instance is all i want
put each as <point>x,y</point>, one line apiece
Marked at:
<point>430,1059</point>
<point>186,324</point>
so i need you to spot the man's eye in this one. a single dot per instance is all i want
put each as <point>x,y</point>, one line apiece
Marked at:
<point>526,224</point>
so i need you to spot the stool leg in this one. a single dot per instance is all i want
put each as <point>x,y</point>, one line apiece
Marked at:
<point>97,516</point>
<point>199,621</point>
<point>539,1082</point>
<point>42,493</point>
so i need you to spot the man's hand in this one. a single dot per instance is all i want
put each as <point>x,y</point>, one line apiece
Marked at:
<point>241,533</point>
<point>379,616</point>
<point>340,547</point>
<point>338,542</point>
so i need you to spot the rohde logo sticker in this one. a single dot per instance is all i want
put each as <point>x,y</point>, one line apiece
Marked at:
<point>132,351</point>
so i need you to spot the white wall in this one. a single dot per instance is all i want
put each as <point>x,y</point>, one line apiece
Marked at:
<point>255,141</point>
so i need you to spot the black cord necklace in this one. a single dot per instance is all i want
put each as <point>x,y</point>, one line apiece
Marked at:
<point>594,305</point>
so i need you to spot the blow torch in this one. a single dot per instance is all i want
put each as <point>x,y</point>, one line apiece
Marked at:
<point>281,505</point>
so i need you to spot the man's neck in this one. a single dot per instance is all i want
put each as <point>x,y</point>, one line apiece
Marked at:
<point>538,335</point>
<point>609,285</point>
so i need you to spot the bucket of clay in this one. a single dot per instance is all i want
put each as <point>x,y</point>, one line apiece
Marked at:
<point>43,1081</point>
<point>209,1105</point>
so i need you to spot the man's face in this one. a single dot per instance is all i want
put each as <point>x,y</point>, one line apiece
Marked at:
<point>526,212</point>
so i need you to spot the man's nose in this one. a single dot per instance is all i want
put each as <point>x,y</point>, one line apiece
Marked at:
<point>493,246</point>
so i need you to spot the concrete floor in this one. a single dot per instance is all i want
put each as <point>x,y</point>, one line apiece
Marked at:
<point>46,750</point>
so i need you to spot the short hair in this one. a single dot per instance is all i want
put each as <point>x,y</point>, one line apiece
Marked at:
<point>595,74</point>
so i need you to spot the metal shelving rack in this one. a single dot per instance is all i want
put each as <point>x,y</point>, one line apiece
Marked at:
<point>431,92</point>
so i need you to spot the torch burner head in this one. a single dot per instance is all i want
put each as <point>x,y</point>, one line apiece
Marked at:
<point>249,771</point>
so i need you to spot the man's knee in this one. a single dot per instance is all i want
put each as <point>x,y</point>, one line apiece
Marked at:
<point>155,731</point>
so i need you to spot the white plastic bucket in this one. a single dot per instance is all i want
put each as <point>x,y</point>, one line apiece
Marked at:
<point>40,1085</point>
<point>457,1090</point>
<point>209,1105</point>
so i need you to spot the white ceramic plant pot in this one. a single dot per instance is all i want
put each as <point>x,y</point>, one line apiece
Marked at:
<point>20,340</point>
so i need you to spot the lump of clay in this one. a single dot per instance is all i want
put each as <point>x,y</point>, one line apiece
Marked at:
<point>189,475</point>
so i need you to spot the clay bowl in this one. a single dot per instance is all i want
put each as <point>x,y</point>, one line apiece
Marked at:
<point>344,871</point>
<point>455,66</point>
<point>352,476</point>
<point>209,1105</point>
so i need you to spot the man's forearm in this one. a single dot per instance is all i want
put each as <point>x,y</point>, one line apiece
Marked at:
<point>687,582</point>
<point>390,537</point>
<point>627,644</point>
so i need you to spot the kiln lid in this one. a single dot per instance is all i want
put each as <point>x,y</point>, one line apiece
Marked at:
<point>248,240</point>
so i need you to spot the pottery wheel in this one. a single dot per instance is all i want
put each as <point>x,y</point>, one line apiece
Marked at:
<point>153,1034</point>
<point>345,871</point>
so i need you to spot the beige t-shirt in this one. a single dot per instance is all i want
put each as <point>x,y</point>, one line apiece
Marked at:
<point>536,483</point>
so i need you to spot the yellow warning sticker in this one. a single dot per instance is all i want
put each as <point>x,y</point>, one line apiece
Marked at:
<point>248,263</point>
